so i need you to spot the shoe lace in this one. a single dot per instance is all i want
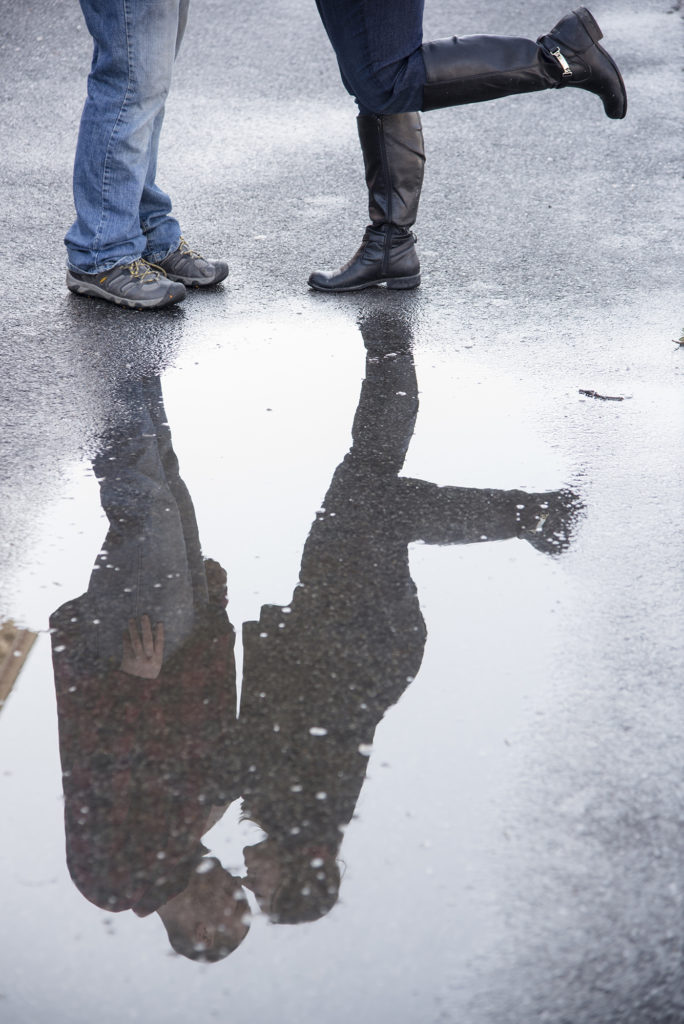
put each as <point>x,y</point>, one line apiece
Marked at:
<point>185,250</point>
<point>144,271</point>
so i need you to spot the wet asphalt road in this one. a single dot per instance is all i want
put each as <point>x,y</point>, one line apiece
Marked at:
<point>515,855</point>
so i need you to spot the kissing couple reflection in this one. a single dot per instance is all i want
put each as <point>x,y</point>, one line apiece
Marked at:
<point>153,751</point>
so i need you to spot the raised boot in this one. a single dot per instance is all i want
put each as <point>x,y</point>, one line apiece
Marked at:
<point>394,160</point>
<point>573,42</point>
<point>471,69</point>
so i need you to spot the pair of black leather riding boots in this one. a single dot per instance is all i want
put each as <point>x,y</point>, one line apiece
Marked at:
<point>459,70</point>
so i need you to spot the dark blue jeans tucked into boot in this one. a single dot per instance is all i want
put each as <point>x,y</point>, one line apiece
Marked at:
<point>377,44</point>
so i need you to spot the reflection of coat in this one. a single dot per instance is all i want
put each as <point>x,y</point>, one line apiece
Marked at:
<point>143,760</point>
<point>320,674</point>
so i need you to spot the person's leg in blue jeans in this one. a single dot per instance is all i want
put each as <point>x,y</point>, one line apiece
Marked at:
<point>121,213</point>
<point>162,232</point>
<point>392,75</point>
<point>134,50</point>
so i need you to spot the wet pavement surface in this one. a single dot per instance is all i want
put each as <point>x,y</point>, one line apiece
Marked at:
<point>442,581</point>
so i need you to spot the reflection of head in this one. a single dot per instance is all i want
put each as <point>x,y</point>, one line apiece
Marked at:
<point>210,918</point>
<point>292,884</point>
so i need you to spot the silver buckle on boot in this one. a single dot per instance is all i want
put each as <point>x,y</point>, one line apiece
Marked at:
<point>567,73</point>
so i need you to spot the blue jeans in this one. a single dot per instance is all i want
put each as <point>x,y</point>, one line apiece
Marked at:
<point>377,44</point>
<point>121,213</point>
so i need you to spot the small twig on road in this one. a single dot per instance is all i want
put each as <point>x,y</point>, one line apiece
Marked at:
<point>679,341</point>
<point>604,398</point>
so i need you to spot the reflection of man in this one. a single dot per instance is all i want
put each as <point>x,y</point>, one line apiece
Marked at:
<point>145,678</point>
<point>320,673</point>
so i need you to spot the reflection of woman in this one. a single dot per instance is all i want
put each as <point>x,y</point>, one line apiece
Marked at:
<point>145,678</point>
<point>320,673</point>
<point>392,74</point>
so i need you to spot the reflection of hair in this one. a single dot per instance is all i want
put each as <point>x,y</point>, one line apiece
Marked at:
<point>309,887</point>
<point>207,922</point>
<point>183,944</point>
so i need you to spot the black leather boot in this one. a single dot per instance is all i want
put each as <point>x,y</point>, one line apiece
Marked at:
<point>394,159</point>
<point>573,42</point>
<point>475,68</point>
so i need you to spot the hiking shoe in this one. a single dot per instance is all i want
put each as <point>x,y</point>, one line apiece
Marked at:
<point>191,269</point>
<point>138,285</point>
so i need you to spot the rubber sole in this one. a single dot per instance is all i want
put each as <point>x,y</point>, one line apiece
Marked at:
<point>93,291</point>
<point>393,283</point>
<point>191,282</point>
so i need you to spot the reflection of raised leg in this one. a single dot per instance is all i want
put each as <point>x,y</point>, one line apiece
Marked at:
<point>466,515</point>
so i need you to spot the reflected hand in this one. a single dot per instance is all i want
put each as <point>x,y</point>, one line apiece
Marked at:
<point>547,520</point>
<point>143,650</point>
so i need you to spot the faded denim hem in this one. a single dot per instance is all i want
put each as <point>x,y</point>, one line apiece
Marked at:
<point>160,254</point>
<point>125,261</point>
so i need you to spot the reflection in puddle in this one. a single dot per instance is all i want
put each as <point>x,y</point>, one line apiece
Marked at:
<point>145,678</point>
<point>152,751</point>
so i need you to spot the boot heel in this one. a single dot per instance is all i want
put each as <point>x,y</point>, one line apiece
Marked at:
<point>404,282</point>
<point>590,23</point>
